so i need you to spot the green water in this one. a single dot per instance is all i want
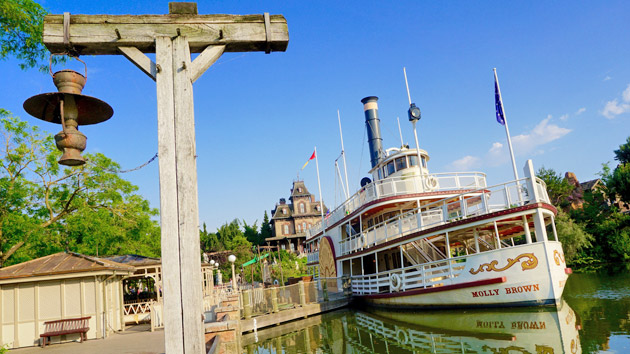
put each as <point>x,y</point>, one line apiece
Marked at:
<point>593,318</point>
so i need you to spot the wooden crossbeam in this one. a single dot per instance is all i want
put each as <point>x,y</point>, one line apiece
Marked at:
<point>104,34</point>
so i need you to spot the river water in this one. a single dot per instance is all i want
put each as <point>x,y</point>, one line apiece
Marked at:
<point>593,318</point>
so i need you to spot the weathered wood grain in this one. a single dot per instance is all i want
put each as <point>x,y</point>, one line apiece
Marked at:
<point>204,61</point>
<point>140,60</point>
<point>173,328</point>
<point>188,209</point>
<point>97,34</point>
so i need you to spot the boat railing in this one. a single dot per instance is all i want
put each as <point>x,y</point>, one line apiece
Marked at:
<point>437,273</point>
<point>312,257</point>
<point>473,203</point>
<point>402,185</point>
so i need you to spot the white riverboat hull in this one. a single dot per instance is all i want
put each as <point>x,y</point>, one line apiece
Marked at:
<point>526,275</point>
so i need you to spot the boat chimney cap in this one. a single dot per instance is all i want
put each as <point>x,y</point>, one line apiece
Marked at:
<point>369,99</point>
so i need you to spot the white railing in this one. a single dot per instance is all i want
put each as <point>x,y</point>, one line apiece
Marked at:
<point>474,203</point>
<point>412,277</point>
<point>312,257</point>
<point>137,308</point>
<point>394,186</point>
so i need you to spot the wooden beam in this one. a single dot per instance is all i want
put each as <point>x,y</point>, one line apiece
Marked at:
<point>204,61</point>
<point>173,328</point>
<point>187,200</point>
<point>104,34</point>
<point>140,60</point>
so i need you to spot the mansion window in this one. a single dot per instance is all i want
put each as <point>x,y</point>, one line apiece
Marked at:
<point>302,208</point>
<point>284,211</point>
<point>299,227</point>
<point>286,229</point>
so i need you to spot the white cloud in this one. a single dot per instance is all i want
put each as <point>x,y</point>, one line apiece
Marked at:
<point>614,108</point>
<point>466,163</point>
<point>580,111</point>
<point>543,133</point>
<point>564,117</point>
<point>523,144</point>
<point>607,78</point>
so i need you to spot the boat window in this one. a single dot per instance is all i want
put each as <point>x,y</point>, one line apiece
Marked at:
<point>401,163</point>
<point>380,174</point>
<point>390,168</point>
<point>424,162</point>
<point>413,160</point>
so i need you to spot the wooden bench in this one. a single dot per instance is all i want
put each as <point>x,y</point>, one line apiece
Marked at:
<point>67,326</point>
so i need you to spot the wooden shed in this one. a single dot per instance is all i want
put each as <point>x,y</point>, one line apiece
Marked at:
<point>60,286</point>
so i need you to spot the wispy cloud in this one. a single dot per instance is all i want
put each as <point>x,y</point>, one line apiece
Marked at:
<point>607,78</point>
<point>524,144</point>
<point>466,163</point>
<point>614,108</point>
<point>580,111</point>
<point>564,117</point>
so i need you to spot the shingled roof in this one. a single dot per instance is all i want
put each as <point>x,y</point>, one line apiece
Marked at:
<point>61,263</point>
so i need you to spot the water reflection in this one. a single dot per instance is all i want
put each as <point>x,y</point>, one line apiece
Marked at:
<point>504,331</point>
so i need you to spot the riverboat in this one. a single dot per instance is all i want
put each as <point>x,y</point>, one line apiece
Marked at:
<point>409,238</point>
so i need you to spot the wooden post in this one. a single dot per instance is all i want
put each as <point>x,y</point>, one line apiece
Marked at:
<point>173,37</point>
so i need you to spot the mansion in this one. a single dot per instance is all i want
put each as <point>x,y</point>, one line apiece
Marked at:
<point>289,222</point>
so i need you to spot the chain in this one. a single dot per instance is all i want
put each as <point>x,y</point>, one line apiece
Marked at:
<point>130,170</point>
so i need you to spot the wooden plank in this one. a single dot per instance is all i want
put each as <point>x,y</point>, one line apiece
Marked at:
<point>204,61</point>
<point>173,340</point>
<point>140,60</point>
<point>187,200</point>
<point>103,34</point>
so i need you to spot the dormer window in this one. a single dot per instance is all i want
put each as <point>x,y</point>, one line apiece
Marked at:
<point>284,211</point>
<point>317,207</point>
<point>299,189</point>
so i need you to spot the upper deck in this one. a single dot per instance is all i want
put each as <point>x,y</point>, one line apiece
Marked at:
<point>400,186</point>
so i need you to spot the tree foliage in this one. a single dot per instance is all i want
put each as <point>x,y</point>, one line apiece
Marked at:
<point>45,208</point>
<point>21,26</point>
<point>557,187</point>
<point>623,154</point>
<point>572,235</point>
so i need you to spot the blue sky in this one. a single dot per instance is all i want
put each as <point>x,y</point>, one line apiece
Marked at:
<point>562,65</point>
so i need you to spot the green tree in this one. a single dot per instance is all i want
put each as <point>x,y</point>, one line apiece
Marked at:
<point>558,188</point>
<point>265,229</point>
<point>623,154</point>
<point>45,208</point>
<point>572,235</point>
<point>21,26</point>
<point>251,233</point>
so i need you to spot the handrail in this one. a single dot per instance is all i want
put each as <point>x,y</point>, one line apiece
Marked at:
<point>509,194</point>
<point>393,186</point>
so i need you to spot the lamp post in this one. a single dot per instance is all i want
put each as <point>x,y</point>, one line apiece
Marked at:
<point>232,259</point>
<point>211,280</point>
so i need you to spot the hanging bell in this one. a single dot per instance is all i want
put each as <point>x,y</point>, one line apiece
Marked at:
<point>69,108</point>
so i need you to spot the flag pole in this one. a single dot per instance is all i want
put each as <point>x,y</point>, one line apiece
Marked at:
<point>505,123</point>
<point>319,186</point>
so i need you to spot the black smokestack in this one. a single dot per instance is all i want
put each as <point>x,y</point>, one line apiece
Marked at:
<point>372,124</point>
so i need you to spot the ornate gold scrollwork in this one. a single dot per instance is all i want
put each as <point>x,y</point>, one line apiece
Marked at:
<point>530,263</point>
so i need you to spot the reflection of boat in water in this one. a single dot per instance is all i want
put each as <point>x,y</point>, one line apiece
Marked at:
<point>505,331</point>
<point>548,330</point>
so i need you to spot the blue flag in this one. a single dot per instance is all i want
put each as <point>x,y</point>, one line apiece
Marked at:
<point>498,104</point>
